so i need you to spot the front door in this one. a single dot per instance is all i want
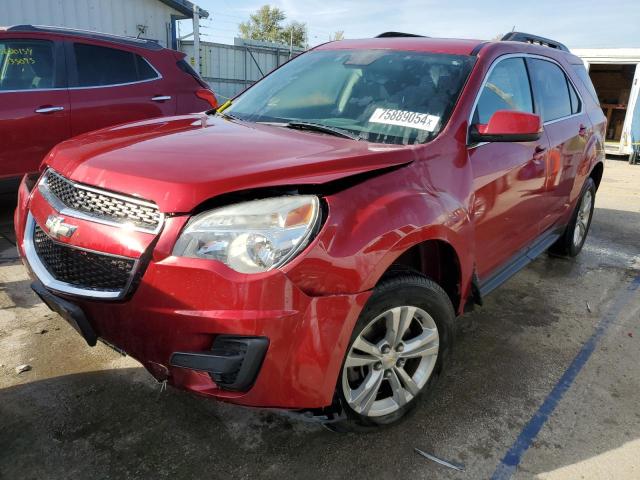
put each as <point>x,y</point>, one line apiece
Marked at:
<point>34,103</point>
<point>509,177</point>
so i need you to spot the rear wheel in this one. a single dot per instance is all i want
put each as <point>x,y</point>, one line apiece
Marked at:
<point>396,351</point>
<point>572,240</point>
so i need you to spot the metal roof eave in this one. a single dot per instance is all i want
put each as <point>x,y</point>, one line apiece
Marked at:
<point>185,7</point>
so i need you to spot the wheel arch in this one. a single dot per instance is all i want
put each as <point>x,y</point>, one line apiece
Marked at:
<point>444,255</point>
<point>436,259</point>
<point>596,173</point>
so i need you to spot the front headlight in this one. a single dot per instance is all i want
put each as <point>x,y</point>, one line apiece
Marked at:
<point>253,236</point>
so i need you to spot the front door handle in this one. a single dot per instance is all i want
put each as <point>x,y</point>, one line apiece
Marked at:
<point>161,98</point>
<point>49,109</point>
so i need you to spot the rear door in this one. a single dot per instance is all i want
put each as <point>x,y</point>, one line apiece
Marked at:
<point>568,129</point>
<point>110,85</point>
<point>34,102</point>
<point>508,176</point>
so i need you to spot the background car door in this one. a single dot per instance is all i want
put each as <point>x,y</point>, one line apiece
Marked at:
<point>111,86</point>
<point>508,177</point>
<point>34,103</point>
<point>568,129</point>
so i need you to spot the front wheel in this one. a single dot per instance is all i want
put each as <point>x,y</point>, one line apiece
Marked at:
<point>396,351</point>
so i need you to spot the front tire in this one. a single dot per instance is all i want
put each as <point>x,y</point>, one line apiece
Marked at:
<point>396,351</point>
<point>572,240</point>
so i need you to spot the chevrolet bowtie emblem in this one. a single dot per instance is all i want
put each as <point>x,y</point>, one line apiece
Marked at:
<point>57,228</point>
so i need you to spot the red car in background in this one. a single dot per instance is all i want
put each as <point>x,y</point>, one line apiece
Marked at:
<point>58,83</point>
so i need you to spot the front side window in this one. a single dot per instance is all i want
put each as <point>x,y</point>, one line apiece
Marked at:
<point>381,96</point>
<point>102,66</point>
<point>26,65</point>
<point>506,88</point>
<point>552,87</point>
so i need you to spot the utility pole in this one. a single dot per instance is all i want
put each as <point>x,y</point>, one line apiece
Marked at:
<point>196,38</point>
<point>291,42</point>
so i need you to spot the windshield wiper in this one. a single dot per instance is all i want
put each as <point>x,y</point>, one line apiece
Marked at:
<point>318,127</point>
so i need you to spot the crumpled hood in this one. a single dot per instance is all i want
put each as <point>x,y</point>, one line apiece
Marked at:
<point>179,162</point>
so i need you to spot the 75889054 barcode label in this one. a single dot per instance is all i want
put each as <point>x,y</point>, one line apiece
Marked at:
<point>403,118</point>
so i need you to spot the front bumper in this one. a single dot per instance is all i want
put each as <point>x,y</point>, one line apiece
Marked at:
<point>185,305</point>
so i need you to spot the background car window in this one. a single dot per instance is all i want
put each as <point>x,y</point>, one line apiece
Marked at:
<point>507,88</point>
<point>26,65</point>
<point>552,88</point>
<point>100,66</point>
<point>145,71</point>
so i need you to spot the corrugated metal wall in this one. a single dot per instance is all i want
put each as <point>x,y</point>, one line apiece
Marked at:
<point>120,17</point>
<point>229,69</point>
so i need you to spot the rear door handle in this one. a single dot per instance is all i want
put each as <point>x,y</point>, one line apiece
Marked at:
<point>161,98</point>
<point>538,153</point>
<point>49,109</point>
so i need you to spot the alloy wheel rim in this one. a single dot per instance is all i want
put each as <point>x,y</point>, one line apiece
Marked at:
<point>390,361</point>
<point>582,221</point>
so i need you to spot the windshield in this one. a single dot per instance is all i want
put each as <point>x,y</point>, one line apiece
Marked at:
<point>381,96</point>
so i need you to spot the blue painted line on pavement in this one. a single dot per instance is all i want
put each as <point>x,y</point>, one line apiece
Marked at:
<point>513,457</point>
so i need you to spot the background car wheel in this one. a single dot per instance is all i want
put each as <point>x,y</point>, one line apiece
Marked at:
<point>572,240</point>
<point>396,351</point>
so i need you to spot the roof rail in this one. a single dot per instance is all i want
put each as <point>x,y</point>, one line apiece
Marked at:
<point>107,37</point>
<point>398,34</point>
<point>534,39</point>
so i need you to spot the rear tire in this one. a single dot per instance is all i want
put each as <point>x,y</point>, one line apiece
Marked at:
<point>572,240</point>
<point>396,352</point>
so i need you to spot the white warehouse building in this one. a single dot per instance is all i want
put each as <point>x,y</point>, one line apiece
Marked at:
<point>151,19</point>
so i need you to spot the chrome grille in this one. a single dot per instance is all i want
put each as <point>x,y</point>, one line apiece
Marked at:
<point>100,205</point>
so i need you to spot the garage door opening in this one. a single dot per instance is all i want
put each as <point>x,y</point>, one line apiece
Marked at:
<point>613,83</point>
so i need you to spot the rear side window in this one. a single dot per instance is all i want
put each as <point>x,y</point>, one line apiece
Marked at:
<point>186,68</point>
<point>26,65</point>
<point>145,71</point>
<point>553,90</point>
<point>582,73</point>
<point>506,88</point>
<point>102,66</point>
<point>576,104</point>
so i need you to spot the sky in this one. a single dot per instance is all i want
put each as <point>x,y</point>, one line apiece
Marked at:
<point>578,24</point>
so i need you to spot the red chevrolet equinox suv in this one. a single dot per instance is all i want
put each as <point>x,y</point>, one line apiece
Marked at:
<point>357,200</point>
<point>57,83</point>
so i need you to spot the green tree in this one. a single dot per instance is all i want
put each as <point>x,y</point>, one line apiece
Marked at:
<point>339,35</point>
<point>267,25</point>
<point>296,33</point>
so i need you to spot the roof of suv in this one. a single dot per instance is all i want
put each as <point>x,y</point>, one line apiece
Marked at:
<point>106,37</point>
<point>451,46</point>
<point>454,46</point>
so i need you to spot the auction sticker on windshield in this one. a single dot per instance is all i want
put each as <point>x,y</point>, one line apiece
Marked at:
<point>403,118</point>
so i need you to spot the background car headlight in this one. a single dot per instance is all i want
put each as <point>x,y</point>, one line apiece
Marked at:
<point>253,236</point>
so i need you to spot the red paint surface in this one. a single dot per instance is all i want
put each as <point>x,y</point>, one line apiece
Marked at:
<point>487,202</point>
<point>28,136</point>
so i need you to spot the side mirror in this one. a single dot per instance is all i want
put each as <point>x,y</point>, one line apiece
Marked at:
<point>507,126</point>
